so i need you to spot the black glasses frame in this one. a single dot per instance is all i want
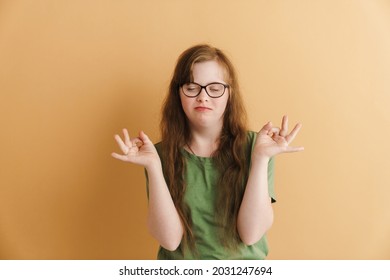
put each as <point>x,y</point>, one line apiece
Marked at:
<point>205,89</point>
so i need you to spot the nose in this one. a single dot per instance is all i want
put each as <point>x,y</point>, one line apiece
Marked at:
<point>203,96</point>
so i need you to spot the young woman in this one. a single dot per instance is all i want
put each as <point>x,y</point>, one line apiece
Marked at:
<point>209,180</point>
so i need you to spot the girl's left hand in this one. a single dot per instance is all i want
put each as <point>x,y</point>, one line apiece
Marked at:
<point>272,141</point>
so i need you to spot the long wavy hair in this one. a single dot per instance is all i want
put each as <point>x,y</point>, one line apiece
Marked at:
<point>229,158</point>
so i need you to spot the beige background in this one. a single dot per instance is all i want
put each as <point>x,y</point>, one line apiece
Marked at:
<point>74,73</point>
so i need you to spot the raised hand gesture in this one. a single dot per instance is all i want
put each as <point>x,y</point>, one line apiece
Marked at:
<point>272,141</point>
<point>139,150</point>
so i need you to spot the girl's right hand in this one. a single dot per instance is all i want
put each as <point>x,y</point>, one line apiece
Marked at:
<point>139,150</point>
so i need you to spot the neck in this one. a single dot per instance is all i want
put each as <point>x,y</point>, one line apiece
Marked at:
<point>204,142</point>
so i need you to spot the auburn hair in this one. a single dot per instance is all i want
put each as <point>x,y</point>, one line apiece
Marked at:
<point>229,158</point>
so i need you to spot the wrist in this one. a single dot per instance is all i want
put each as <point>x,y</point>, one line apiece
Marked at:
<point>154,165</point>
<point>260,158</point>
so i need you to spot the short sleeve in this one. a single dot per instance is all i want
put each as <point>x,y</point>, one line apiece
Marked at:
<point>271,189</point>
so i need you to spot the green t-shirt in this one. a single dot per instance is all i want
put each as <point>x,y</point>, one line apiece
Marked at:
<point>201,178</point>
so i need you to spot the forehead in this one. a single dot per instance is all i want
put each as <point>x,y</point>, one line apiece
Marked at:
<point>208,72</point>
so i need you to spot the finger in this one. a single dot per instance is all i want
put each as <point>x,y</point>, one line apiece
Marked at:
<point>136,142</point>
<point>118,156</point>
<point>293,133</point>
<point>277,138</point>
<point>284,130</point>
<point>274,131</point>
<point>122,146</point>
<point>142,139</point>
<point>127,137</point>
<point>294,149</point>
<point>265,129</point>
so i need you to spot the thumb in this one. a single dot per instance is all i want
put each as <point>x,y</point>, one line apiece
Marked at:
<point>265,129</point>
<point>144,138</point>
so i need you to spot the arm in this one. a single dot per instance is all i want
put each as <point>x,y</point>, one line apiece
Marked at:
<point>255,216</point>
<point>164,223</point>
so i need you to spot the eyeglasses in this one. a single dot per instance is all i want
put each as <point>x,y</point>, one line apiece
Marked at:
<point>214,90</point>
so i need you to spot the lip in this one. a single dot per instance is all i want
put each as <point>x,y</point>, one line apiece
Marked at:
<point>202,108</point>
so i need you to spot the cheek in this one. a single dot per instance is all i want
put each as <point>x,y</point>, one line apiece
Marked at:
<point>185,104</point>
<point>225,104</point>
<point>182,101</point>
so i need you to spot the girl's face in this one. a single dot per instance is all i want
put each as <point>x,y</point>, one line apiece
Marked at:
<point>203,111</point>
